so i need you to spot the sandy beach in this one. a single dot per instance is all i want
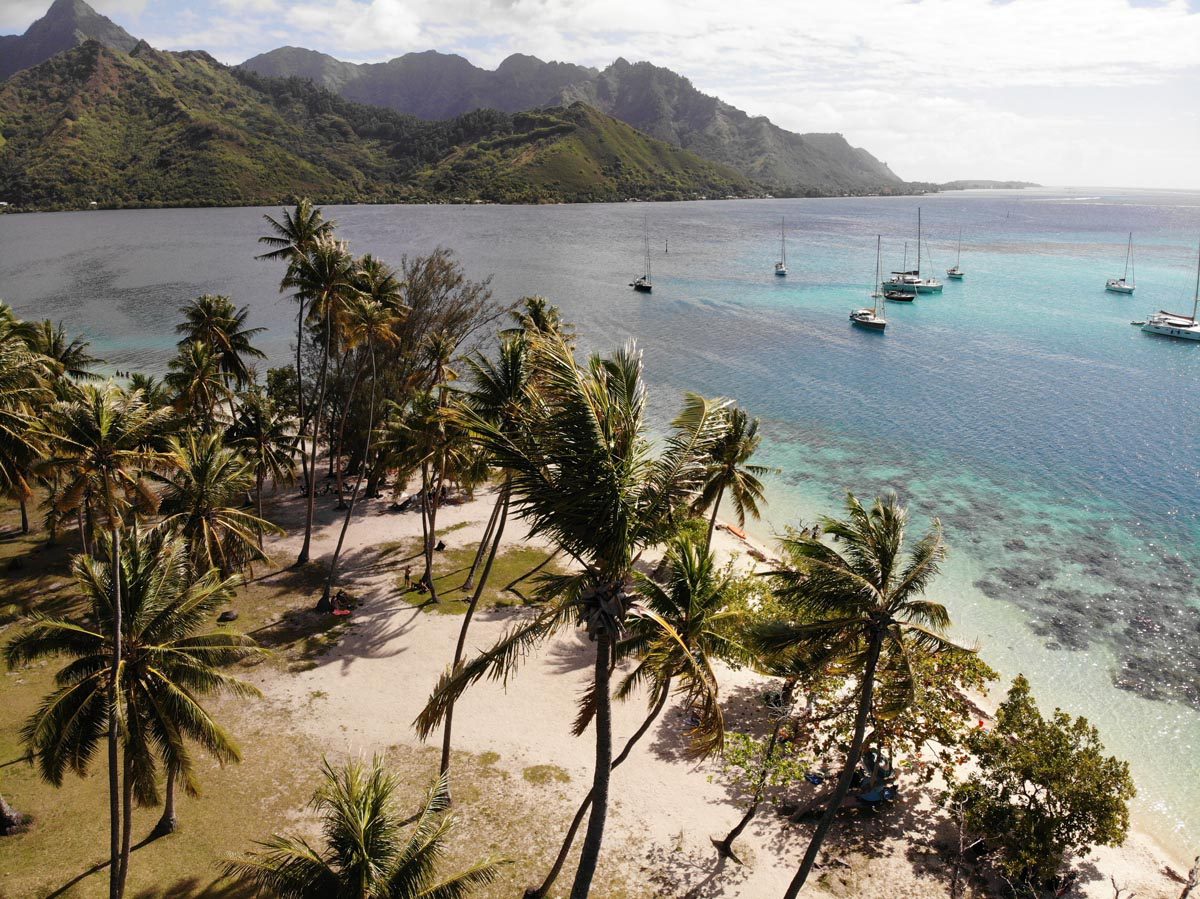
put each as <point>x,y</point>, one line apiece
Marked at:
<point>665,809</point>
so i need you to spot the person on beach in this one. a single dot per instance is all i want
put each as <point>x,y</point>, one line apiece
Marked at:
<point>407,577</point>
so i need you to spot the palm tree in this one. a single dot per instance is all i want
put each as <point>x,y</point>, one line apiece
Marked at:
<point>24,375</point>
<point>729,470</point>
<point>164,667</point>
<point>69,355</point>
<point>367,855</point>
<point>862,602</point>
<point>196,378</point>
<point>371,325</point>
<point>324,280</point>
<point>98,453</point>
<point>265,439</point>
<point>201,499</point>
<point>584,474</point>
<point>677,630</point>
<point>499,395</point>
<point>213,321</point>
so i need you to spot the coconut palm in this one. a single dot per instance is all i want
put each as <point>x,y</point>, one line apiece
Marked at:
<point>678,629</point>
<point>166,665</point>
<point>367,854</point>
<point>24,376</point>
<point>198,383</point>
<point>265,439</point>
<point>371,324</point>
<point>730,472</point>
<point>214,321</point>
<point>324,281</point>
<point>69,355</point>
<point>861,600</point>
<point>153,391</point>
<point>201,497</point>
<point>585,475</point>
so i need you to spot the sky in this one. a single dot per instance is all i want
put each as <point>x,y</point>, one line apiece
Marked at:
<point>1061,92</point>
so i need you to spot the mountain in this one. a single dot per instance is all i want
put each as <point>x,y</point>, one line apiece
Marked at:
<point>148,128</point>
<point>429,85</point>
<point>653,99</point>
<point>977,184</point>
<point>67,24</point>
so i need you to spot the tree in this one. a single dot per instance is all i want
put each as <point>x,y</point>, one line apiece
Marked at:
<point>165,667</point>
<point>264,437</point>
<point>1043,791</point>
<point>367,855</point>
<point>198,383</point>
<point>24,375</point>
<point>677,631</point>
<point>324,280</point>
<point>859,603</point>
<point>201,499</point>
<point>98,446</point>
<point>213,321</point>
<point>69,355</point>
<point>584,474</point>
<point>729,470</point>
<point>292,238</point>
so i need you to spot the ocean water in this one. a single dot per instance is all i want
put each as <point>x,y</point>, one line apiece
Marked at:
<point>1059,445</point>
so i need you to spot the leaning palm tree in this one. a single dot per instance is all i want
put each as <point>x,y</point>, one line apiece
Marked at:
<point>24,378</point>
<point>214,321</point>
<point>678,629</point>
<point>201,498</point>
<point>198,383</point>
<point>69,355</point>
<point>730,472</point>
<point>266,440</point>
<point>98,454</point>
<point>367,854</point>
<point>324,281</point>
<point>371,325</point>
<point>166,666</point>
<point>860,600</point>
<point>585,475</point>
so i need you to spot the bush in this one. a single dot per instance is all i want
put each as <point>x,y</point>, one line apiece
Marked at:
<point>1044,791</point>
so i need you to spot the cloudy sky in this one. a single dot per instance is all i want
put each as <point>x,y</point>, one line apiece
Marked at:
<point>1063,92</point>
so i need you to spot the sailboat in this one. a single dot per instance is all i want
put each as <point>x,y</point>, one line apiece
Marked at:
<point>1125,283</point>
<point>911,281</point>
<point>644,284</point>
<point>781,265</point>
<point>1176,324</point>
<point>870,318</point>
<point>956,273</point>
<point>900,294</point>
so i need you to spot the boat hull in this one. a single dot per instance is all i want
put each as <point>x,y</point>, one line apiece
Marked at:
<point>954,276</point>
<point>869,322</point>
<point>897,296</point>
<point>642,288</point>
<point>1118,287</point>
<point>1178,330</point>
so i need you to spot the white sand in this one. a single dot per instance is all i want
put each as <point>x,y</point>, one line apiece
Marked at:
<point>664,809</point>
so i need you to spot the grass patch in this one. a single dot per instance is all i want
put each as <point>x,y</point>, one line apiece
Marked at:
<point>544,774</point>
<point>450,570</point>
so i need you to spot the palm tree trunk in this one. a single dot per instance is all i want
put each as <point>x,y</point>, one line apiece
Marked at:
<point>426,502</point>
<point>362,471</point>
<point>24,514</point>
<point>590,855</point>
<point>725,846</point>
<point>483,543</point>
<point>114,775</point>
<point>852,758</point>
<point>305,465</point>
<point>341,435</point>
<point>569,839</point>
<point>712,522</point>
<point>168,823</point>
<point>316,436</point>
<point>258,505</point>
<point>127,824</point>
<point>462,632</point>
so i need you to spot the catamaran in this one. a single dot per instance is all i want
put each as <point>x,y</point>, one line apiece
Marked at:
<point>900,294</point>
<point>1125,283</point>
<point>870,318</point>
<point>644,284</point>
<point>1176,324</point>
<point>781,265</point>
<point>911,281</point>
<point>957,273</point>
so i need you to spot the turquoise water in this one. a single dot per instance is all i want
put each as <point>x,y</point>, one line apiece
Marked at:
<point>1059,445</point>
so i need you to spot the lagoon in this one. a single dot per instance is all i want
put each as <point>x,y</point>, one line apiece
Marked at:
<point>1059,445</point>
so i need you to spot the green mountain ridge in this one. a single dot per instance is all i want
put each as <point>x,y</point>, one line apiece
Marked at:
<point>66,25</point>
<point>149,128</point>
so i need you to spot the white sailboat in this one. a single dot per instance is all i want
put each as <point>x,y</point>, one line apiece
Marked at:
<point>900,294</point>
<point>1176,324</point>
<point>870,318</point>
<point>645,283</point>
<point>1127,282</point>
<point>911,281</point>
<point>957,273</point>
<point>781,265</point>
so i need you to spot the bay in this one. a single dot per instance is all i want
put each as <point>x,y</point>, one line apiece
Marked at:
<point>1059,445</point>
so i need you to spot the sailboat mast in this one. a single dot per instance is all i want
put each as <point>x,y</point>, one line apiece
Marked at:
<point>782,244</point>
<point>958,259</point>
<point>877,289</point>
<point>918,241</point>
<point>1196,294</point>
<point>646,239</point>
<point>1128,253</point>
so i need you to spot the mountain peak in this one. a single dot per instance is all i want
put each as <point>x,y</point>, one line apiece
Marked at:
<point>66,25</point>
